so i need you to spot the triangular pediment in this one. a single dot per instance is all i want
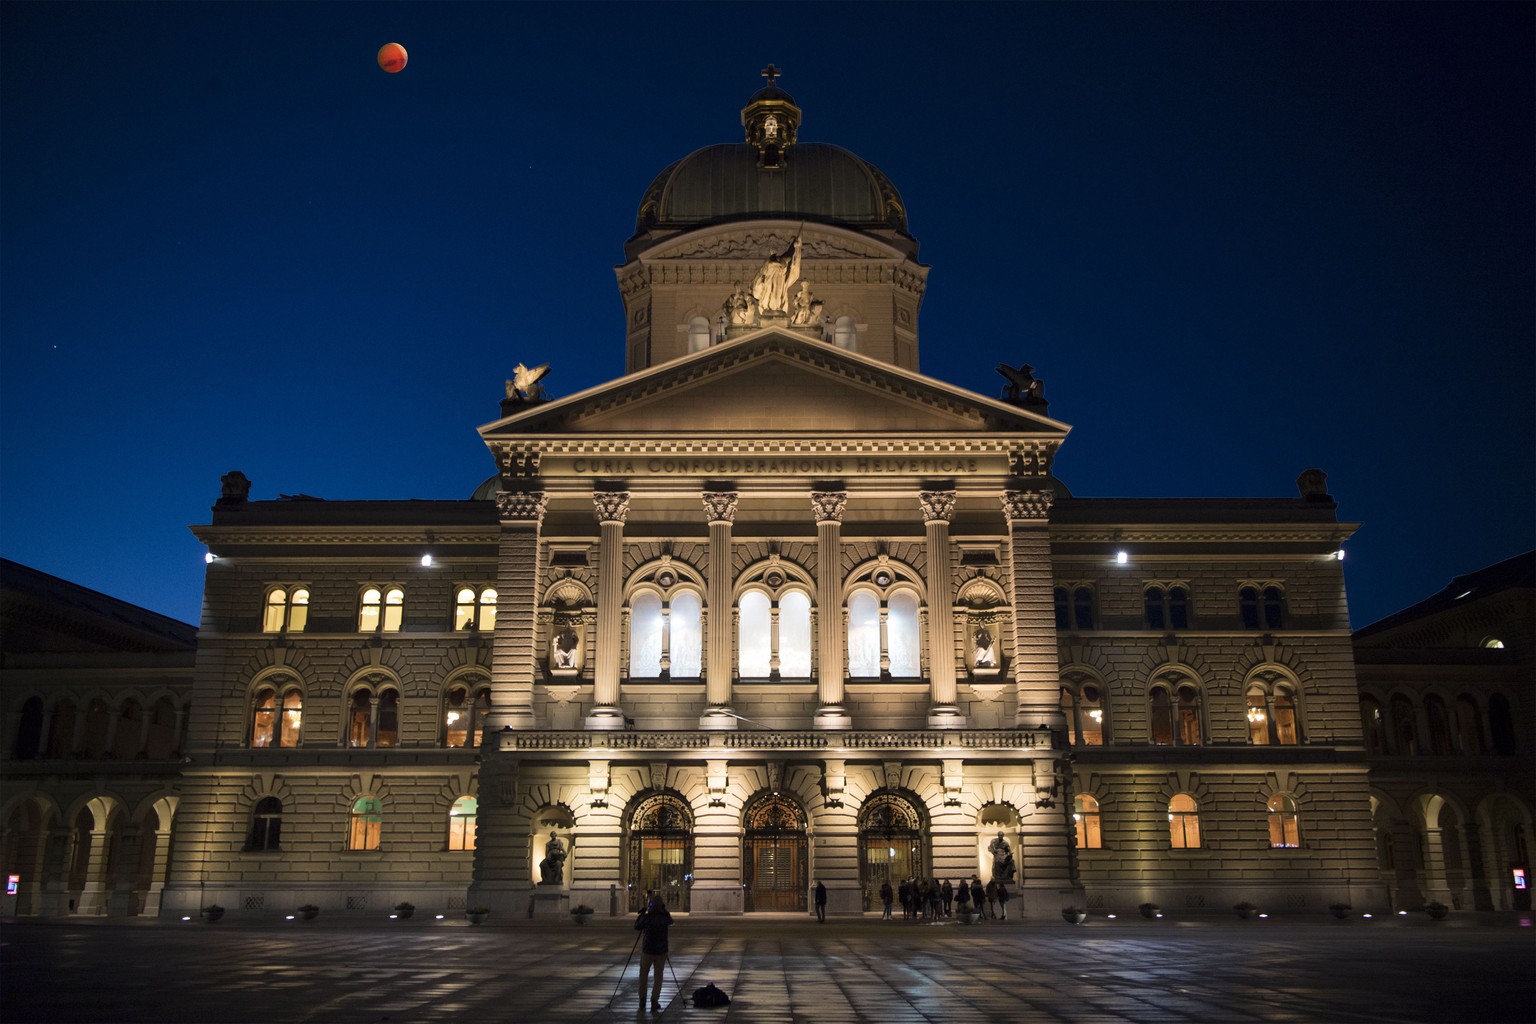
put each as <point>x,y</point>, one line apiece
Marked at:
<point>774,382</point>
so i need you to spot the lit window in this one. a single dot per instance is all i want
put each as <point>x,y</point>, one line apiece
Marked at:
<point>1166,608</point>
<point>1085,820</point>
<point>863,634</point>
<point>461,823</point>
<point>1493,643</point>
<point>1176,718</point>
<point>902,635</point>
<point>276,717</point>
<point>1184,822</point>
<point>666,634</point>
<point>1284,825</point>
<point>883,636</point>
<point>1082,703</point>
<point>373,717</point>
<point>464,715</point>
<point>475,611</point>
<point>285,611</point>
<point>266,825</point>
<point>1272,716</point>
<point>367,823</point>
<point>774,637</point>
<point>381,610</point>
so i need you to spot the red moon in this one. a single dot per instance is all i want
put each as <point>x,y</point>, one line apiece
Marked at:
<point>392,57</point>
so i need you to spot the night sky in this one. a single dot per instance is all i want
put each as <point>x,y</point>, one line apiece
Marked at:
<point>1235,240</point>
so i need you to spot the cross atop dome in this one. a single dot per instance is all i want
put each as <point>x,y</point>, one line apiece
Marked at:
<point>771,120</point>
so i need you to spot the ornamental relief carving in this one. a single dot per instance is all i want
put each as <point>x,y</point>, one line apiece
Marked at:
<point>1027,504</point>
<point>829,505</point>
<point>937,505</point>
<point>611,506</point>
<point>521,506</point>
<point>720,506</point>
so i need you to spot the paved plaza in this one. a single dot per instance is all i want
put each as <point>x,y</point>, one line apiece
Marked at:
<point>1469,968</point>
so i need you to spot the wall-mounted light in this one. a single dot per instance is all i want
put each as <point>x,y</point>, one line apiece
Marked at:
<point>1339,555</point>
<point>209,558</point>
<point>1122,557</point>
<point>426,561</point>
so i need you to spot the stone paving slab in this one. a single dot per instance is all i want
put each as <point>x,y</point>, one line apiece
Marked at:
<point>1470,969</point>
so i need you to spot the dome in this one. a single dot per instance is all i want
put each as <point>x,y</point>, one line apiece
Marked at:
<point>817,182</point>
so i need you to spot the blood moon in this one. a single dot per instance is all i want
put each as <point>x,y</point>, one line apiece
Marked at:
<point>392,57</point>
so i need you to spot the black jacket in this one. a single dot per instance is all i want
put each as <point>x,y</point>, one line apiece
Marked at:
<point>654,923</point>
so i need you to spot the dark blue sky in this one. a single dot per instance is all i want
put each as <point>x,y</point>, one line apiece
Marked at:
<point>1235,240</point>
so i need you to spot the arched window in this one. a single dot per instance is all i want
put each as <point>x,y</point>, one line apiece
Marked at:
<point>1248,607</point>
<point>795,634</point>
<point>162,730</point>
<point>130,727</point>
<point>863,634</point>
<point>98,722</point>
<point>1262,609</point>
<point>699,334</point>
<point>1274,608</point>
<point>366,824</point>
<point>1082,702</point>
<point>381,610</point>
<point>266,825</point>
<point>1272,715</point>
<point>1176,717</point>
<point>1184,822</point>
<point>755,640</point>
<point>473,610</point>
<point>1166,608</point>
<point>285,612</point>
<point>845,334</point>
<point>1501,725</point>
<point>1075,607</point>
<point>1469,721</point>
<point>1284,825</point>
<point>1373,723</point>
<point>902,633</point>
<point>373,716</point>
<point>461,823</point>
<point>1061,600</point>
<point>1404,729</point>
<point>666,636</point>
<point>276,717</point>
<point>61,734</point>
<point>29,734</point>
<point>1085,820</point>
<point>1438,720</point>
<point>465,706</point>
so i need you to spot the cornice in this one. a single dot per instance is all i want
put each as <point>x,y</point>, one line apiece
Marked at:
<point>350,533</point>
<point>869,444</point>
<point>1131,533</point>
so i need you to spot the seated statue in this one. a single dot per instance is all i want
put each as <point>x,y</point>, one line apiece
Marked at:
<point>984,655</point>
<point>552,867</point>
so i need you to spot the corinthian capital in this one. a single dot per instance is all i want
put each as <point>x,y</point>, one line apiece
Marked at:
<point>1027,504</point>
<point>937,505</point>
<point>612,506</point>
<point>720,506</point>
<point>522,506</point>
<point>829,505</point>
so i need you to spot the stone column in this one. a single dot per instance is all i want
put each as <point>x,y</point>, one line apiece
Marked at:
<point>611,508</point>
<point>938,507</point>
<point>162,840</point>
<point>1036,673</point>
<point>517,595</point>
<point>1477,868</point>
<point>501,875</point>
<point>829,506</point>
<point>53,900</point>
<point>93,896</point>
<point>720,511</point>
<point>121,902</point>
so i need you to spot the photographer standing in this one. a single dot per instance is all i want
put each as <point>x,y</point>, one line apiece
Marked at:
<point>653,921</point>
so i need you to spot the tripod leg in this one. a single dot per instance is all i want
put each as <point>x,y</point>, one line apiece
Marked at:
<point>620,982</point>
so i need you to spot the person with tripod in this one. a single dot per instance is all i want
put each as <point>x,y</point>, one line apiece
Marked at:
<point>653,923</point>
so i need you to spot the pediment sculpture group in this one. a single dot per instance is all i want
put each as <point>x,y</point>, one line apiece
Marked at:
<point>769,294</point>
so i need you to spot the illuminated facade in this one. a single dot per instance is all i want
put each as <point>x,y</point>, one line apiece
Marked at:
<point>772,607</point>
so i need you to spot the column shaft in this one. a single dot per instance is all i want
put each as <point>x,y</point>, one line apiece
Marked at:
<point>1036,672</point>
<point>517,595</point>
<point>828,506</point>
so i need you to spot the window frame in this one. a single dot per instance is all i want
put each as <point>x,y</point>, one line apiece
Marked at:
<point>365,825</point>
<point>291,613</point>
<point>1284,822</point>
<point>1184,823</point>
<point>463,828</point>
<point>1087,822</point>
<point>387,608</point>
<point>478,613</point>
<point>266,828</point>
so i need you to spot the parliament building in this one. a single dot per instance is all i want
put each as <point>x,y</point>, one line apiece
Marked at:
<point>772,607</point>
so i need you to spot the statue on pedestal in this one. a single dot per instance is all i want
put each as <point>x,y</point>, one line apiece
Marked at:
<point>777,275</point>
<point>552,867</point>
<point>1003,868</point>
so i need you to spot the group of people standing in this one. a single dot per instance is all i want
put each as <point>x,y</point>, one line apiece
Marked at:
<point>930,899</point>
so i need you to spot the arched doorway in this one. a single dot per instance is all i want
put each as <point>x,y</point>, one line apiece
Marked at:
<point>890,844</point>
<point>660,850</point>
<point>775,854</point>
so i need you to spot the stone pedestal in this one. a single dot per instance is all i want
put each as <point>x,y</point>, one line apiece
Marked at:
<point>549,902</point>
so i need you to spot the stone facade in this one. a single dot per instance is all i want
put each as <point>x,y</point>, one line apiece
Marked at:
<point>771,608</point>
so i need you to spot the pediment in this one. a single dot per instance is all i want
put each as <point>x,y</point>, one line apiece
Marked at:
<point>759,240</point>
<point>774,382</point>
